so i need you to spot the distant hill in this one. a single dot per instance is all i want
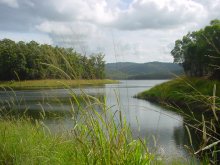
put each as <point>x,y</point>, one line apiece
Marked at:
<point>151,70</point>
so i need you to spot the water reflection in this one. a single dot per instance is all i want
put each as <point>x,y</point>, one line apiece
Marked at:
<point>145,119</point>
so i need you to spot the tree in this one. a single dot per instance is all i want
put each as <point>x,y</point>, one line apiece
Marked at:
<point>8,62</point>
<point>34,61</point>
<point>199,51</point>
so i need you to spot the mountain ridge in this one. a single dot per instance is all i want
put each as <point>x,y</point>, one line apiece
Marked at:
<point>148,70</point>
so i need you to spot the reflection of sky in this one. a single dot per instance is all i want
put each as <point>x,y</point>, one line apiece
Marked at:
<point>146,119</point>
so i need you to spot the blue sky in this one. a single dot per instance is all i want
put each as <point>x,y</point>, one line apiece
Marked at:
<point>124,30</point>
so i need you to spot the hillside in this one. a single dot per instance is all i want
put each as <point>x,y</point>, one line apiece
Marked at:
<point>151,70</point>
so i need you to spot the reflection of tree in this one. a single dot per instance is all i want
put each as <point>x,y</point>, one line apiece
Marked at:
<point>51,104</point>
<point>181,137</point>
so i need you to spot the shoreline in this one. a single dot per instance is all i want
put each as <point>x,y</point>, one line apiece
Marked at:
<point>52,83</point>
<point>195,94</point>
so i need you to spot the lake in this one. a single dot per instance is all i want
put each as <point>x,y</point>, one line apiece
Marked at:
<point>152,122</point>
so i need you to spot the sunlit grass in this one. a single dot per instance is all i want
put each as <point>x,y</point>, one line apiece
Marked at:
<point>53,83</point>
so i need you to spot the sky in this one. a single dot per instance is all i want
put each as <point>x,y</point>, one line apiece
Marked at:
<point>124,30</point>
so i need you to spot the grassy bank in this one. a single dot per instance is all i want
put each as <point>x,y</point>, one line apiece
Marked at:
<point>198,100</point>
<point>22,142</point>
<point>184,91</point>
<point>52,83</point>
<point>94,138</point>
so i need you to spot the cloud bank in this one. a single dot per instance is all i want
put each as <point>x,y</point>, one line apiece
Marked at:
<point>124,30</point>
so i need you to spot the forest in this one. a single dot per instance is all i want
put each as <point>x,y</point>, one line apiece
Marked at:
<point>199,52</point>
<point>31,60</point>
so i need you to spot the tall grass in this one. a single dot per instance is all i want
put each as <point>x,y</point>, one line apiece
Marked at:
<point>95,138</point>
<point>198,100</point>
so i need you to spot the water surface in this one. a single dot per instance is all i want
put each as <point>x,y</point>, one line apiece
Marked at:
<point>146,120</point>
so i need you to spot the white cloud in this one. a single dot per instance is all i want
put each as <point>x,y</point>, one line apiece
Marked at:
<point>90,10</point>
<point>125,30</point>
<point>56,28</point>
<point>160,14</point>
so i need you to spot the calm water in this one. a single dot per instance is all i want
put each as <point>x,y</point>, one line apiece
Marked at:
<point>153,121</point>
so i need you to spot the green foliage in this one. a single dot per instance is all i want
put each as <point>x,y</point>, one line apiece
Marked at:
<point>199,51</point>
<point>28,61</point>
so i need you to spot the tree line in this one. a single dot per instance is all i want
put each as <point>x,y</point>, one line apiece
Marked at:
<point>27,61</point>
<point>199,51</point>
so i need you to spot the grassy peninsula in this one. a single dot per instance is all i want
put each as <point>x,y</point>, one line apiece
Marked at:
<point>52,83</point>
<point>184,91</point>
